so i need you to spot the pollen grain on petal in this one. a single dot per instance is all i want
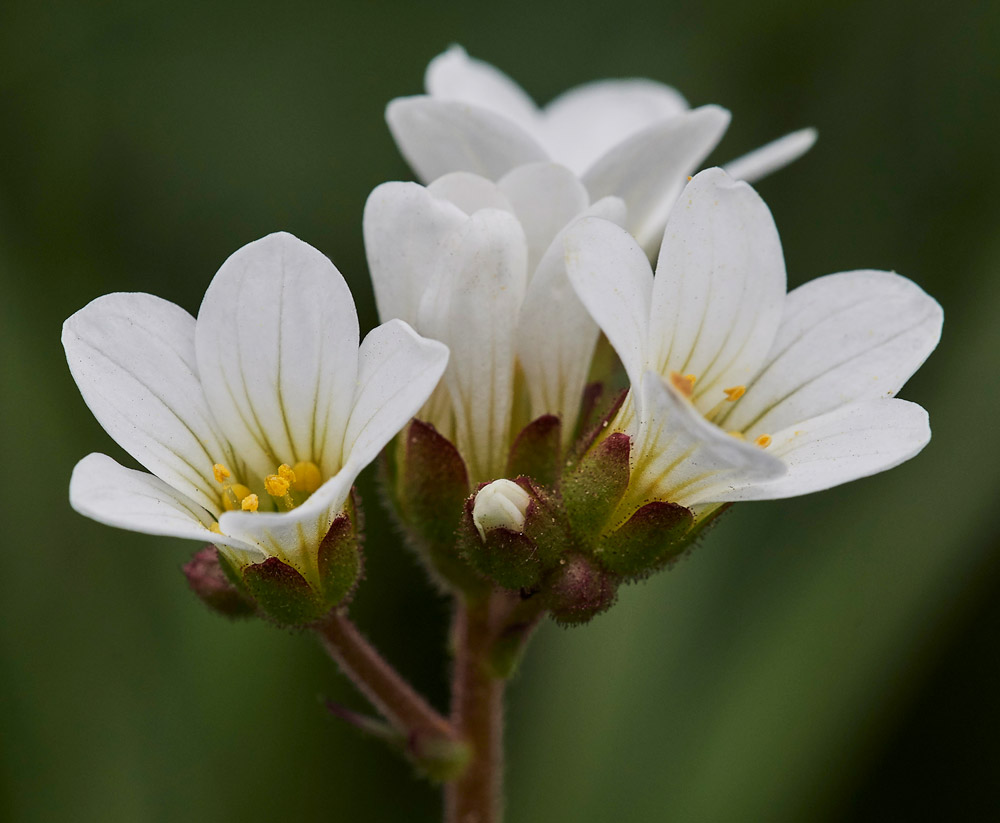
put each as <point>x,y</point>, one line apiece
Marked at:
<point>735,393</point>
<point>763,441</point>
<point>215,528</point>
<point>221,473</point>
<point>250,503</point>
<point>737,435</point>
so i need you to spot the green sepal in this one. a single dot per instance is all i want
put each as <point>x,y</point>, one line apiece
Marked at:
<point>536,451</point>
<point>339,560</point>
<point>508,558</point>
<point>282,593</point>
<point>649,538</point>
<point>433,484</point>
<point>579,590</point>
<point>591,491</point>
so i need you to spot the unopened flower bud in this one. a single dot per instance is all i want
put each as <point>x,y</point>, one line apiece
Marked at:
<point>207,578</point>
<point>501,504</point>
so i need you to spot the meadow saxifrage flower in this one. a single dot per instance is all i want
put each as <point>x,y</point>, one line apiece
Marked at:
<point>739,392</point>
<point>253,420</point>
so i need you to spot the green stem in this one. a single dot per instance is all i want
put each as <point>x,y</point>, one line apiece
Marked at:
<point>477,713</point>
<point>434,742</point>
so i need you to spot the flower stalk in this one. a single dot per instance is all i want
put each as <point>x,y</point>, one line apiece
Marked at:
<point>431,740</point>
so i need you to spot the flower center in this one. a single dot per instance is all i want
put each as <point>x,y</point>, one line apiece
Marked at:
<point>289,487</point>
<point>684,383</point>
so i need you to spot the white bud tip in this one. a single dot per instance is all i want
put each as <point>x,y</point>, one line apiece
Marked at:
<point>500,505</point>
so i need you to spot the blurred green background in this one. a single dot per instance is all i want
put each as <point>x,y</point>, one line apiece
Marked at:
<point>829,658</point>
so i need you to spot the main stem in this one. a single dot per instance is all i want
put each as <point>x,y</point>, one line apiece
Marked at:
<point>477,714</point>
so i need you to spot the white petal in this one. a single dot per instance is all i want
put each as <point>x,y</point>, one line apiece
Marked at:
<point>556,334</point>
<point>398,369</point>
<point>771,156</point>
<point>132,355</point>
<point>277,347</point>
<point>453,75</point>
<point>719,287</point>
<point>854,441</point>
<point>473,309</point>
<point>612,278</point>
<point>441,136</point>
<point>107,492</point>
<point>648,169</point>
<point>681,457</point>
<point>408,231</point>
<point>583,123</point>
<point>470,192</point>
<point>294,536</point>
<point>545,198</point>
<point>843,338</point>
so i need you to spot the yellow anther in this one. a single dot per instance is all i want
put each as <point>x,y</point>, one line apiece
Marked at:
<point>735,393</point>
<point>234,495</point>
<point>215,528</point>
<point>285,472</point>
<point>276,485</point>
<point>763,441</point>
<point>690,178</point>
<point>684,383</point>
<point>307,476</point>
<point>250,503</point>
<point>220,472</point>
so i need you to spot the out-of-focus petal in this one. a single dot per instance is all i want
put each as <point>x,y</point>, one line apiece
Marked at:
<point>441,136</point>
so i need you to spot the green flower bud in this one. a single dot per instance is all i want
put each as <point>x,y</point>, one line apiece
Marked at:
<point>579,590</point>
<point>208,578</point>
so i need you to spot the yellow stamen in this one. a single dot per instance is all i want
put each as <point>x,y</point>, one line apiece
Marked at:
<point>684,383</point>
<point>763,441</point>
<point>234,495</point>
<point>735,393</point>
<point>215,528</point>
<point>220,472</point>
<point>250,503</point>
<point>276,485</point>
<point>308,477</point>
<point>286,473</point>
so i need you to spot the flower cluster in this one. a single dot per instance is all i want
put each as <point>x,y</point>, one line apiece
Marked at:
<point>518,462</point>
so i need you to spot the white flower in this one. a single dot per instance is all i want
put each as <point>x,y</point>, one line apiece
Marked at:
<point>480,266</point>
<point>256,418</point>
<point>740,392</point>
<point>501,504</point>
<point>635,139</point>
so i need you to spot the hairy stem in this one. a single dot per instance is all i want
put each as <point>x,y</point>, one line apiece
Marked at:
<point>477,714</point>
<point>412,716</point>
